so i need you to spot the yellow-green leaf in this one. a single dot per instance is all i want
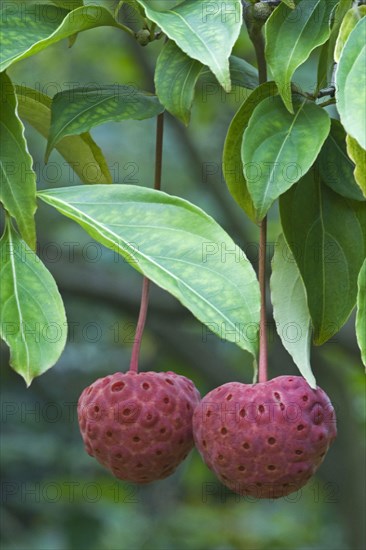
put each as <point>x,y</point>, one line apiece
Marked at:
<point>351,84</point>
<point>349,22</point>
<point>81,152</point>
<point>32,315</point>
<point>358,155</point>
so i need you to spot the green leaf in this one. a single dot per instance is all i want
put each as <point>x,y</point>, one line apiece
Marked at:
<point>358,155</point>
<point>79,110</point>
<point>351,84</point>
<point>176,77</point>
<point>205,31</point>
<point>81,152</point>
<point>23,34</point>
<point>18,180</point>
<point>290,309</point>
<point>32,315</point>
<point>291,36</point>
<point>179,247</point>
<point>336,169</point>
<point>349,22</point>
<point>278,148</point>
<point>327,236</point>
<point>326,58</point>
<point>361,313</point>
<point>232,165</point>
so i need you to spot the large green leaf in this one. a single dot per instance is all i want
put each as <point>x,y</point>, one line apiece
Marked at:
<point>361,312</point>
<point>81,152</point>
<point>18,180</point>
<point>290,308</point>
<point>351,84</point>
<point>232,165</point>
<point>278,148</point>
<point>205,31</point>
<point>326,57</point>
<point>176,77</point>
<point>327,235</point>
<point>358,155</point>
<point>291,36</point>
<point>336,169</point>
<point>176,245</point>
<point>351,18</point>
<point>32,315</point>
<point>79,110</point>
<point>26,32</point>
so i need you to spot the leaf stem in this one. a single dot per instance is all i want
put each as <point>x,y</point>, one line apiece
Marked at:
<point>134,364</point>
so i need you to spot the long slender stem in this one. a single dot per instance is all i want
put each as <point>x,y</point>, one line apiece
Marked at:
<point>134,364</point>
<point>256,36</point>
<point>262,374</point>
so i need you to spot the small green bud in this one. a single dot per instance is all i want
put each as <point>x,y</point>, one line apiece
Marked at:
<point>143,37</point>
<point>261,11</point>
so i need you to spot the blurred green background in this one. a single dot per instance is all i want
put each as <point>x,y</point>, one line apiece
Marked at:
<point>54,496</point>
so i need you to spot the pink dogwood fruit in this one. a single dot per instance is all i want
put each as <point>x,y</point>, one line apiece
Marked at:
<point>139,425</point>
<point>267,439</point>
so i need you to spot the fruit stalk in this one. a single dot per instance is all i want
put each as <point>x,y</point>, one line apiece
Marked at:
<point>256,36</point>
<point>134,364</point>
<point>262,374</point>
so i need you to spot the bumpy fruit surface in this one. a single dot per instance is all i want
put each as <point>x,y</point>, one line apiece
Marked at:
<point>264,440</point>
<point>138,425</point>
